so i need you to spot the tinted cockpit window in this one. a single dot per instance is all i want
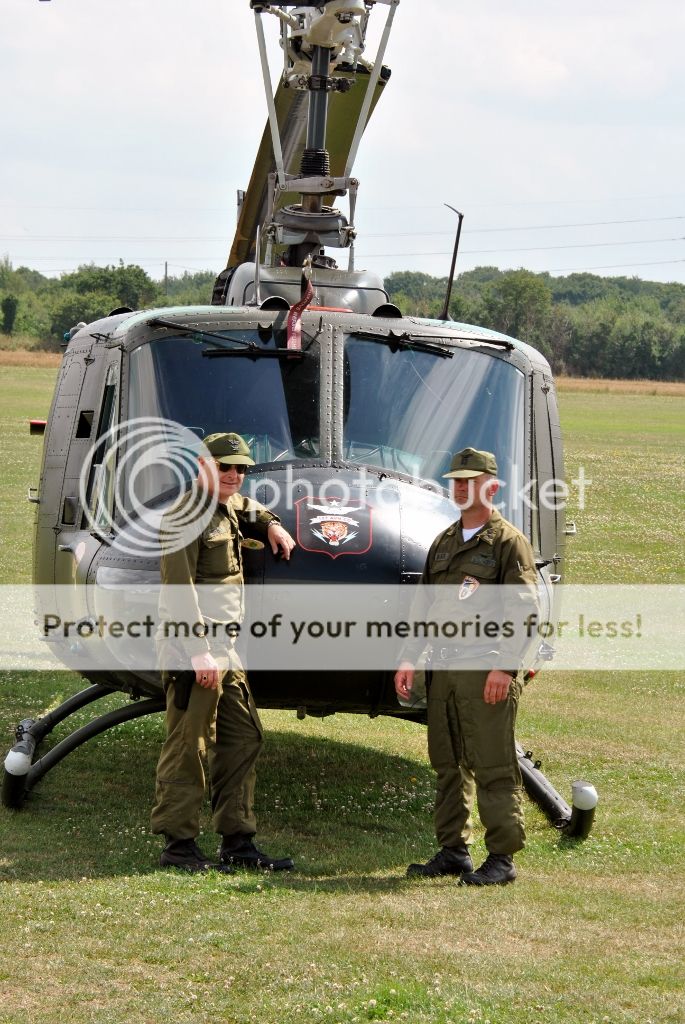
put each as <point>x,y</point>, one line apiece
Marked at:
<point>273,403</point>
<point>409,411</point>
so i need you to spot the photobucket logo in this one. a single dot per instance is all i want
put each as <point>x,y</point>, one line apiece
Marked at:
<point>126,476</point>
<point>281,493</point>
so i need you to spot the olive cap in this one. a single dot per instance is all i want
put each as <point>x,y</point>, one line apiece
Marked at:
<point>228,449</point>
<point>469,463</point>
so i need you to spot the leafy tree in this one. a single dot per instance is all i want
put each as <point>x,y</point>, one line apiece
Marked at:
<point>5,272</point>
<point>519,303</point>
<point>191,289</point>
<point>129,285</point>
<point>9,312</point>
<point>578,289</point>
<point>71,307</point>
<point>26,279</point>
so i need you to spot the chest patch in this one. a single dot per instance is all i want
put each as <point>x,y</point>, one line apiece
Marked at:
<point>484,560</point>
<point>219,534</point>
<point>468,588</point>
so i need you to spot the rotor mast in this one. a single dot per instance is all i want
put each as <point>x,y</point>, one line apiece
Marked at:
<point>318,38</point>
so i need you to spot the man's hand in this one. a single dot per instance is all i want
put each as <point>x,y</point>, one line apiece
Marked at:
<point>280,540</point>
<point>496,686</point>
<point>404,680</point>
<point>206,671</point>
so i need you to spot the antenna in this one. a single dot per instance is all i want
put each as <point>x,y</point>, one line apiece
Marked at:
<point>445,311</point>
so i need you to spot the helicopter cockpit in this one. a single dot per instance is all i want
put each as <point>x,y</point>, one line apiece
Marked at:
<point>400,412</point>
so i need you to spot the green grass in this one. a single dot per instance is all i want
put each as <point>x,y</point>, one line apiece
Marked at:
<point>631,447</point>
<point>26,394</point>
<point>591,932</point>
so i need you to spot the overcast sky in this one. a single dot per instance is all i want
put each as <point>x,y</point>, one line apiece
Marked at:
<point>127,126</point>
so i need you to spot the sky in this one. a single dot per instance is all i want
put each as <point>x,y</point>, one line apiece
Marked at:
<point>127,127</point>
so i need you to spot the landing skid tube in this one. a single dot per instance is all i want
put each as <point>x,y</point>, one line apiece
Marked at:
<point>575,821</point>
<point>21,775</point>
<point>541,791</point>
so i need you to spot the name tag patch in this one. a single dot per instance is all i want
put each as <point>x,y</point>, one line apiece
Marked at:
<point>219,534</point>
<point>484,560</point>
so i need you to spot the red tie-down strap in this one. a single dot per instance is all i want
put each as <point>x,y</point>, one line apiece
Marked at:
<point>295,315</point>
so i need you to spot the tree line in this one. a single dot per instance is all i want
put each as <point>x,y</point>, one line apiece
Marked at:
<point>584,324</point>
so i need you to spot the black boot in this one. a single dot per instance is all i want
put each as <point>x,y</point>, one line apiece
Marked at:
<point>240,851</point>
<point>496,869</point>
<point>186,855</point>
<point>447,861</point>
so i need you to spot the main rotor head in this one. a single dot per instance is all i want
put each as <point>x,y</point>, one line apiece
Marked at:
<point>317,38</point>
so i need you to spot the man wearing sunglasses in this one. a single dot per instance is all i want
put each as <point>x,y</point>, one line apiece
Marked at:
<point>210,708</point>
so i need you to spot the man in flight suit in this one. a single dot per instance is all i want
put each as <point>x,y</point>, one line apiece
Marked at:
<point>210,707</point>
<point>472,711</point>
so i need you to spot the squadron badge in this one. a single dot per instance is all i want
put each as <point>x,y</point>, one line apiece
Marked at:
<point>468,588</point>
<point>333,528</point>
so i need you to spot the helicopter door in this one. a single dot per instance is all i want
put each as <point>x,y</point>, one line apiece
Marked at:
<point>46,552</point>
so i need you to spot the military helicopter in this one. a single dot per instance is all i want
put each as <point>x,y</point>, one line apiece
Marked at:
<point>322,375</point>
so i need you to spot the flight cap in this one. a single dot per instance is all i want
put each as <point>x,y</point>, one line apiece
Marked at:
<point>229,449</point>
<point>469,463</point>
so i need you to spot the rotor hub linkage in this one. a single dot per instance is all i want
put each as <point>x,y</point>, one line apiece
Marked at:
<point>322,83</point>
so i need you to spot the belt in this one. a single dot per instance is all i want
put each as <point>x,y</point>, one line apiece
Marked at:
<point>441,655</point>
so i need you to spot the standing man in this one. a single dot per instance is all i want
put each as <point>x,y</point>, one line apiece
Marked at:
<point>210,707</point>
<point>472,711</point>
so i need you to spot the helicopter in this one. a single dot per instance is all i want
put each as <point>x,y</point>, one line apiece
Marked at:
<point>330,384</point>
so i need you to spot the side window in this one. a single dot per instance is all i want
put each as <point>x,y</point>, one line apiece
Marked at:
<point>546,436</point>
<point>100,493</point>
<point>535,500</point>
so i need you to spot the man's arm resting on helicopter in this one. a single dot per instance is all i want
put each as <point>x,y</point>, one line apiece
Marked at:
<point>280,540</point>
<point>256,520</point>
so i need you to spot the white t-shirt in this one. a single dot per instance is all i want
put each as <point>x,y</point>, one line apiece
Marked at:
<point>468,534</point>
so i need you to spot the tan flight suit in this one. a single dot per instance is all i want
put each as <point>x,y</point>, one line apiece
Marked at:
<point>471,744</point>
<point>223,722</point>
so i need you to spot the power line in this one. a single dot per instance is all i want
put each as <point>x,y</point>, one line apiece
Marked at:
<point>532,248</point>
<point>489,204</point>
<point>610,266</point>
<point>528,227</point>
<point>388,255</point>
<point>387,234</point>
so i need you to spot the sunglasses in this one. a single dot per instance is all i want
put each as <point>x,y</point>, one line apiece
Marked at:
<point>241,470</point>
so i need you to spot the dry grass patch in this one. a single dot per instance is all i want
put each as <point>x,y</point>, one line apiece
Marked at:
<point>621,387</point>
<point>24,357</point>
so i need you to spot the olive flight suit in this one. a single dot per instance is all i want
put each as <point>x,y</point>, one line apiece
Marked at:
<point>471,744</point>
<point>203,582</point>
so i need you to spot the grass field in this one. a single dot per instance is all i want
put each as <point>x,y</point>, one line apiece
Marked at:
<point>591,932</point>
